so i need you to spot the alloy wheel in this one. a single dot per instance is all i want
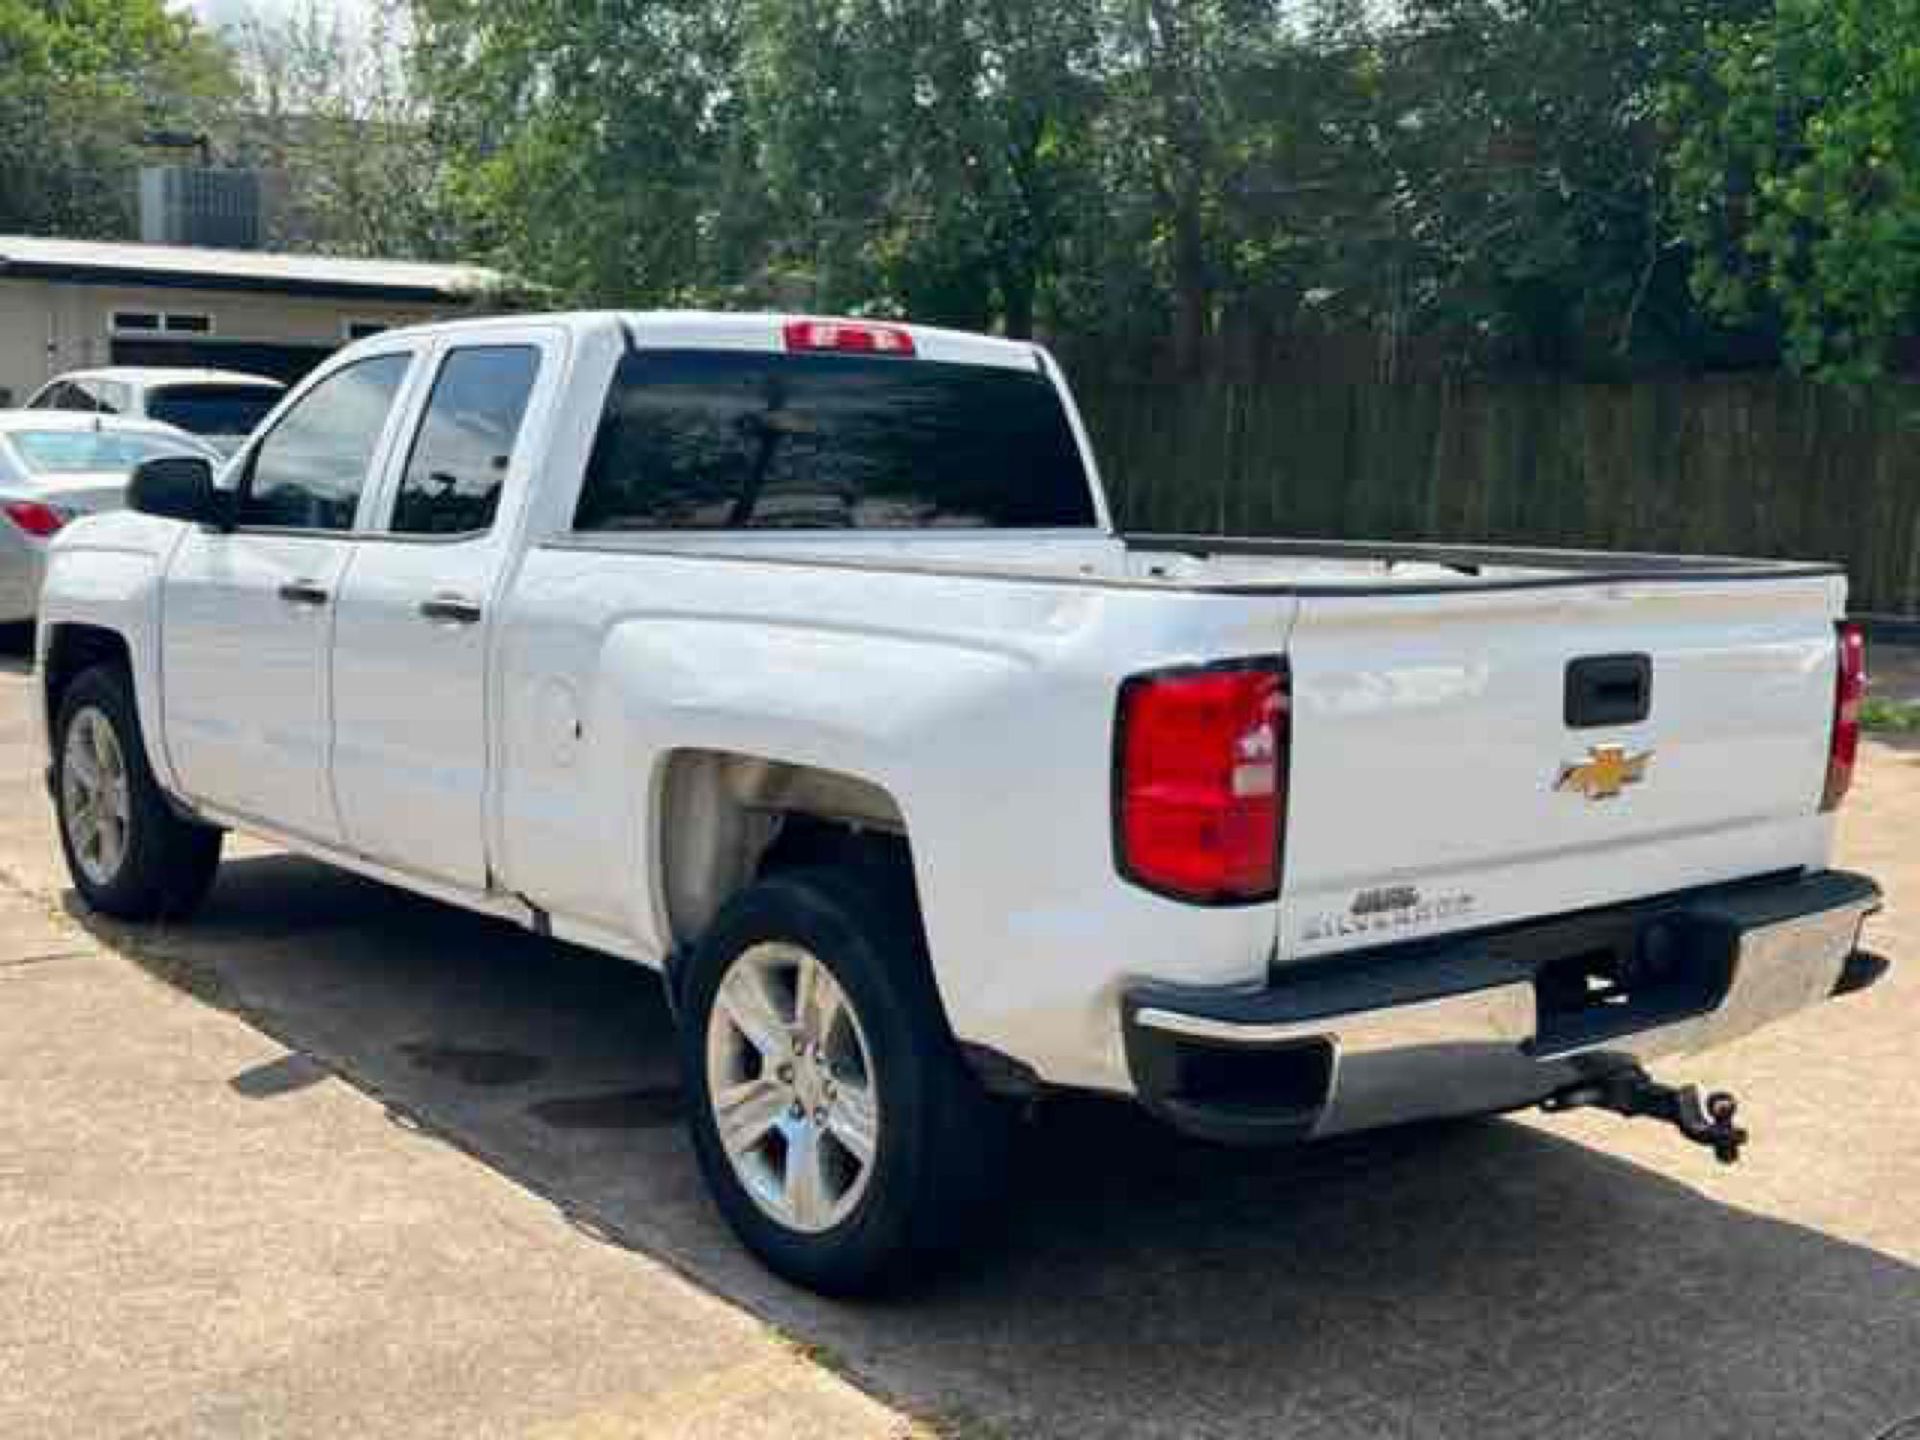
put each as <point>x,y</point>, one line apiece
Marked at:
<point>792,1086</point>
<point>96,803</point>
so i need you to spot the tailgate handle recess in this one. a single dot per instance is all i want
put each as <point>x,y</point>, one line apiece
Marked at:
<point>1609,690</point>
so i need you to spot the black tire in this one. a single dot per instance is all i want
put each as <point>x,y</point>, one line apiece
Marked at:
<point>167,864</point>
<point>940,1155</point>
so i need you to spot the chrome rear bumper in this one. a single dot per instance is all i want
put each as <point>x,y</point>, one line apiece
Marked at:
<point>1493,1021</point>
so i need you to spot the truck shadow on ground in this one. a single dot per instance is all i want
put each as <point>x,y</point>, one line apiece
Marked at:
<point>1473,1280</point>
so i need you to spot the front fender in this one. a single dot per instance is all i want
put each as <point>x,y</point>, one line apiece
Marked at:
<point>104,571</point>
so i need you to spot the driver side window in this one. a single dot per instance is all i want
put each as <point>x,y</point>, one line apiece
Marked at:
<point>308,472</point>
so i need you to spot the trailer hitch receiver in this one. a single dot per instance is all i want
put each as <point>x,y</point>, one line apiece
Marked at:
<point>1633,1092</point>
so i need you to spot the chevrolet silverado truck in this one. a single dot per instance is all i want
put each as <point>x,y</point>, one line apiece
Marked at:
<point>800,660</point>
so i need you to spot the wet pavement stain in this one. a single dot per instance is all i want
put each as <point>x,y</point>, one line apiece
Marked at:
<point>646,1109</point>
<point>281,1076</point>
<point>473,1066</point>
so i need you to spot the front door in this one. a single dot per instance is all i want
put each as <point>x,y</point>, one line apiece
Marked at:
<point>247,616</point>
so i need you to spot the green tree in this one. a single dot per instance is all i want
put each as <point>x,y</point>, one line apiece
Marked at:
<point>921,158</point>
<point>1528,163</point>
<point>588,143</point>
<point>81,82</point>
<point>1487,177</point>
<point>331,115</point>
<point>1797,177</point>
<point>1175,73</point>
<point>1249,130</point>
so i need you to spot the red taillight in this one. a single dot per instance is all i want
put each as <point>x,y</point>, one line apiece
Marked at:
<point>35,519</point>
<point>1200,790</point>
<point>848,337</point>
<point>1849,690</point>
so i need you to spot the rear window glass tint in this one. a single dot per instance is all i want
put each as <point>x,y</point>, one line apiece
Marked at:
<point>212,409</point>
<point>712,440</point>
<point>460,456</point>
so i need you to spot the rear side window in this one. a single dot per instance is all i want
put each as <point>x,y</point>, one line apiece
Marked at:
<point>460,456</point>
<point>714,440</point>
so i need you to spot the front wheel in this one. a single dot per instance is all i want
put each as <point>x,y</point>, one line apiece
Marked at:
<point>842,1136</point>
<point>129,854</point>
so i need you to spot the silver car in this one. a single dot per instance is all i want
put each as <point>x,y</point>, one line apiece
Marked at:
<point>56,465</point>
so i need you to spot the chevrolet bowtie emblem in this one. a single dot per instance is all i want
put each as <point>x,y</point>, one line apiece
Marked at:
<point>1607,770</point>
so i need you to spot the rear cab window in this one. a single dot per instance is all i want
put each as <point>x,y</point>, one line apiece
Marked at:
<point>212,409</point>
<point>748,440</point>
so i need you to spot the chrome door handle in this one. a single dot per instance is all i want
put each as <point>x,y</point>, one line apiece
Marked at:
<point>444,609</point>
<point>303,592</point>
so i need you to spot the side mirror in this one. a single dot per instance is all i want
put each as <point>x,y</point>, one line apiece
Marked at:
<point>179,487</point>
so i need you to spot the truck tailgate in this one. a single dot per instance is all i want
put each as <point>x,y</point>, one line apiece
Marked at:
<point>1443,778</point>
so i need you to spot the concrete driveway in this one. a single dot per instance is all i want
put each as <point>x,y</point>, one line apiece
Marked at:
<point>364,1165</point>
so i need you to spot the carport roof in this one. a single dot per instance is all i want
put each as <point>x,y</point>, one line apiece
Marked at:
<point>93,262</point>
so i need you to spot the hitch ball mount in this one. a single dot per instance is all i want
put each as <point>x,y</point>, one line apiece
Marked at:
<point>1632,1092</point>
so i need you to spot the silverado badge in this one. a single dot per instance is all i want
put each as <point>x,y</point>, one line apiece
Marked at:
<point>1607,770</point>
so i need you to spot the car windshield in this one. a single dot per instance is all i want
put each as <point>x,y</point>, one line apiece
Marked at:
<point>75,452</point>
<point>212,409</point>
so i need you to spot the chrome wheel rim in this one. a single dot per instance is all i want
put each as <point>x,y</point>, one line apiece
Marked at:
<point>791,1087</point>
<point>95,798</point>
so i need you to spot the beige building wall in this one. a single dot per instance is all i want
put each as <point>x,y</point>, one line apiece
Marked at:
<point>48,326</point>
<point>23,337</point>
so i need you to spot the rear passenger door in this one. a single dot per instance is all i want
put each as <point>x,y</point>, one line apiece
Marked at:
<point>410,667</point>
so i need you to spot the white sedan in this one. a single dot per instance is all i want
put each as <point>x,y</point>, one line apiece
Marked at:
<point>56,465</point>
<point>220,406</point>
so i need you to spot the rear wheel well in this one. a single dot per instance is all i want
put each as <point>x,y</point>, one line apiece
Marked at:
<point>726,820</point>
<point>71,651</point>
<point>805,840</point>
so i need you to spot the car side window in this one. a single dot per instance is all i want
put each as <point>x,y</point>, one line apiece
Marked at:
<point>308,472</point>
<point>465,442</point>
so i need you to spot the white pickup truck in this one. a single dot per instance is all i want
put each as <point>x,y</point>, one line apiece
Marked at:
<point>800,660</point>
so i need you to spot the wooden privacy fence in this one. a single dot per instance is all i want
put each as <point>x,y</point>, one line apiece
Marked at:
<point>1763,466</point>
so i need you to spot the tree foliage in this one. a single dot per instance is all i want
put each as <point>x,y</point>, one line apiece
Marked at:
<point>922,157</point>
<point>1484,175</point>
<point>592,142</point>
<point>82,83</point>
<point>1533,172</point>
<point>330,114</point>
<point>1583,186</point>
<point>1797,177</point>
